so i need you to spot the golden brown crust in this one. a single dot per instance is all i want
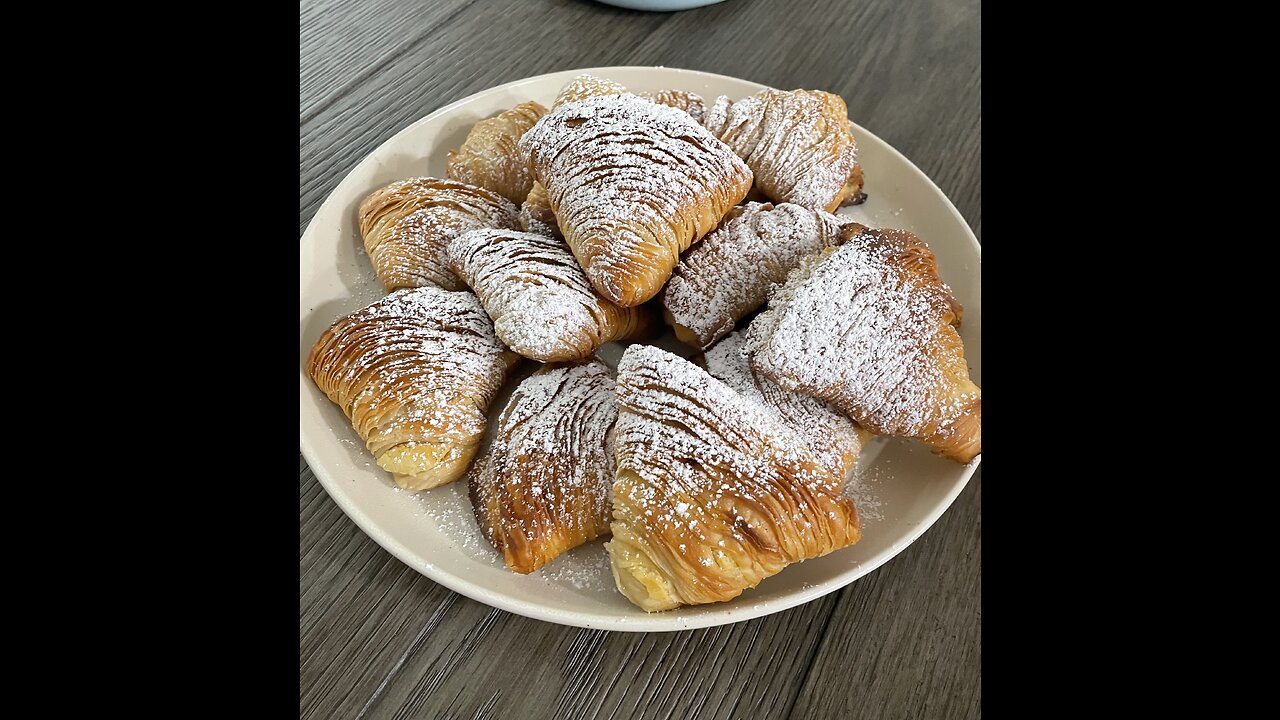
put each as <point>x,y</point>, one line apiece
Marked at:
<point>536,215</point>
<point>415,373</point>
<point>632,184</point>
<point>852,192</point>
<point>408,224</point>
<point>540,301</point>
<point>488,158</point>
<point>727,276</point>
<point>713,494</point>
<point>691,103</point>
<point>798,144</point>
<point>834,439</point>
<point>586,86</point>
<point>542,487</point>
<point>870,328</point>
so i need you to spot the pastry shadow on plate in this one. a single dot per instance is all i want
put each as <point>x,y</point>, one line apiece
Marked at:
<point>583,571</point>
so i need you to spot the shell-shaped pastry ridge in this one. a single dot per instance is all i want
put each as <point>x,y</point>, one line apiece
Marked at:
<point>632,184</point>
<point>489,157</point>
<point>830,435</point>
<point>727,276</point>
<point>798,143</point>
<point>407,226</point>
<point>415,373</point>
<point>713,493</point>
<point>542,486</point>
<point>870,327</point>
<point>540,301</point>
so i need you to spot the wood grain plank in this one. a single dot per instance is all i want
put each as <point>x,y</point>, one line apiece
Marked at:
<point>342,43</point>
<point>474,50</point>
<point>361,611</point>
<point>904,642</point>
<point>546,670</point>
<point>909,71</point>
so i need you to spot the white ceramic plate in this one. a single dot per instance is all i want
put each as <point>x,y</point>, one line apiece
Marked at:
<point>900,488</point>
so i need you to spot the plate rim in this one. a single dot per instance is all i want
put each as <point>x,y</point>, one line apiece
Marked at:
<point>651,622</point>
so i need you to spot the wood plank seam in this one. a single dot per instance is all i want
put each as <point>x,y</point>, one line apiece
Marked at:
<point>427,628</point>
<point>364,75</point>
<point>429,683</point>
<point>817,643</point>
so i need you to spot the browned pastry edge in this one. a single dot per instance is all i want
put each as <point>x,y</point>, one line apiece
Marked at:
<point>896,389</point>
<point>541,487</point>
<point>488,158</point>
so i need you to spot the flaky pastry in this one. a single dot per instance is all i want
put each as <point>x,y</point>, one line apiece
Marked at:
<point>869,327</point>
<point>830,435</point>
<point>542,486</point>
<point>540,301</point>
<point>632,184</point>
<point>691,103</point>
<point>798,144</point>
<point>712,493</point>
<point>586,86</point>
<point>536,215</point>
<point>415,373</point>
<point>488,157</point>
<point>408,224</point>
<point>727,276</point>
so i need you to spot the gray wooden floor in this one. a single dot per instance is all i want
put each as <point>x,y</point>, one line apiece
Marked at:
<point>378,640</point>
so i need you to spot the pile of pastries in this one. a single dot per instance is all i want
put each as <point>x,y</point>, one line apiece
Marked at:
<point>597,220</point>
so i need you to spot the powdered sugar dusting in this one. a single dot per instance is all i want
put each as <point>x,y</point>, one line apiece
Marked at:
<point>833,438</point>
<point>632,184</point>
<point>417,368</point>
<point>725,277</point>
<point>797,143</point>
<point>543,485</point>
<point>713,492</point>
<point>586,86</point>
<point>540,301</point>
<point>862,488</point>
<point>447,510</point>
<point>536,215</point>
<point>867,327</point>
<point>408,224</point>
<point>584,568</point>
<point>691,103</point>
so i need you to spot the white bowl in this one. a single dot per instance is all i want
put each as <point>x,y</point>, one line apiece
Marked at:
<point>900,488</point>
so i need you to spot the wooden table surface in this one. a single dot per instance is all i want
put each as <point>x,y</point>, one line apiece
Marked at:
<point>378,640</point>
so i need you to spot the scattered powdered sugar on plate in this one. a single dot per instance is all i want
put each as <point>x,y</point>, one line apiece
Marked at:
<point>585,567</point>
<point>449,511</point>
<point>862,486</point>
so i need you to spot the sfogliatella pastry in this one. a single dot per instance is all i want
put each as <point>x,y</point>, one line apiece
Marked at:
<point>727,276</point>
<point>834,439</point>
<point>869,327</point>
<point>541,303</point>
<point>408,224</point>
<point>691,103</point>
<point>797,143</point>
<point>415,373</point>
<point>542,487</point>
<point>488,157</point>
<point>536,215</point>
<point>586,86</point>
<point>632,185</point>
<point>712,493</point>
